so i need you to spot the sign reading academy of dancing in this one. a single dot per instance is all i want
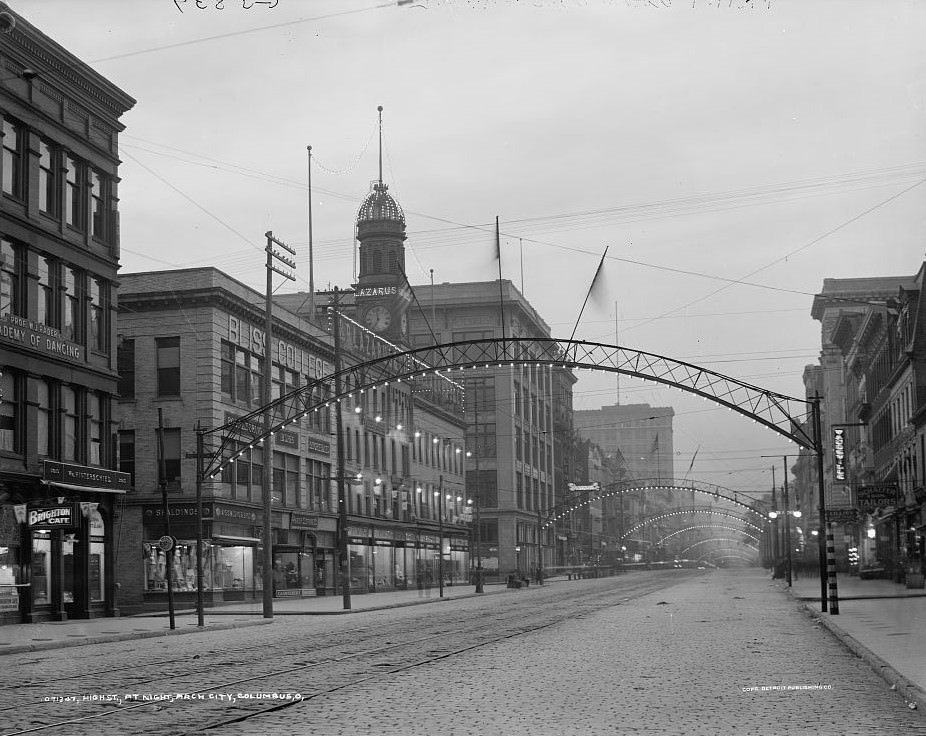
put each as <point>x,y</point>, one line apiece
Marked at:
<point>38,337</point>
<point>86,476</point>
<point>839,454</point>
<point>874,496</point>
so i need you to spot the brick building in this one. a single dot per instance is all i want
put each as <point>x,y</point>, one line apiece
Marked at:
<point>59,255</point>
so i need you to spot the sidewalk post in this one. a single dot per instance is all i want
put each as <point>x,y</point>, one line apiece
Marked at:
<point>822,531</point>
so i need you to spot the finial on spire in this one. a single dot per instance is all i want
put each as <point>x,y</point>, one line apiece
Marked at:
<point>380,109</point>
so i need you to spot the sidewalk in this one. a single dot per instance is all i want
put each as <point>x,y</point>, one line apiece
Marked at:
<point>17,638</point>
<point>882,622</point>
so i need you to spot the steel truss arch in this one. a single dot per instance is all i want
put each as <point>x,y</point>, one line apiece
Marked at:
<point>709,526</point>
<point>720,493</point>
<point>718,539</point>
<point>670,514</point>
<point>786,415</point>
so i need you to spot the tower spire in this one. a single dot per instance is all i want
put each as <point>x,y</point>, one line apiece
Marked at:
<point>380,109</point>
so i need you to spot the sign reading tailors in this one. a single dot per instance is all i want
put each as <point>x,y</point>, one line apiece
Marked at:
<point>839,454</point>
<point>86,476</point>
<point>873,496</point>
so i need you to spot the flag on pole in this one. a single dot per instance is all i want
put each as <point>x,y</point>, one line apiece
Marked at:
<point>692,462</point>
<point>598,292</point>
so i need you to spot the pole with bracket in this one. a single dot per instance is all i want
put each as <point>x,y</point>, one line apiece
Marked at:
<point>168,546</point>
<point>343,558</point>
<point>266,385</point>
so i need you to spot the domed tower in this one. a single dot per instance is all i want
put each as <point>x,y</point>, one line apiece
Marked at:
<point>381,296</point>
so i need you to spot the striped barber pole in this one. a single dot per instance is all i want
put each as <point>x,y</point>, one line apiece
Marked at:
<point>831,571</point>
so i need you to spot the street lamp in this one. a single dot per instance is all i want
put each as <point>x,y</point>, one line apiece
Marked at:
<point>517,553</point>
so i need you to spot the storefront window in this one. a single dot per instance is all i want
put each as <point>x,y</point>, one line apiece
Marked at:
<point>383,568</point>
<point>67,569</point>
<point>292,571</point>
<point>361,574</point>
<point>97,557</point>
<point>233,567</point>
<point>9,559</point>
<point>41,568</point>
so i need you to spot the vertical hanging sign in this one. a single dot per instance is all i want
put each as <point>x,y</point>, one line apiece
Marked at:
<point>839,454</point>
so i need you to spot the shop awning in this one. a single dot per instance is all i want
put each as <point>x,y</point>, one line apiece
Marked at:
<point>236,540</point>
<point>85,489</point>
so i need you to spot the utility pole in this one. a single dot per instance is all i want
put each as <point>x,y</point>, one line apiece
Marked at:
<point>168,547</point>
<point>266,385</point>
<point>343,558</point>
<point>478,536</point>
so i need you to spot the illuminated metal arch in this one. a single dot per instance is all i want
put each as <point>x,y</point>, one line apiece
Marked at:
<point>673,484</point>
<point>718,512</point>
<point>709,526</point>
<point>786,415</point>
<point>718,539</point>
<point>731,557</point>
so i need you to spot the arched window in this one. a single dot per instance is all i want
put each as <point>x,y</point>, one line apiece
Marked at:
<point>376,262</point>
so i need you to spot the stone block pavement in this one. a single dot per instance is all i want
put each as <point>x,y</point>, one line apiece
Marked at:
<point>882,622</point>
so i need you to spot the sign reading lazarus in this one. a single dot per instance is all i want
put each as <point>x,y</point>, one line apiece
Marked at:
<point>839,454</point>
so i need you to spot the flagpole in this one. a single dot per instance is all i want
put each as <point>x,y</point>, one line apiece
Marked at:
<point>591,286</point>
<point>501,297</point>
<point>311,257</point>
<point>617,343</point>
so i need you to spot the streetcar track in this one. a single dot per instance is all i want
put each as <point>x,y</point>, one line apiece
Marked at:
<point>605,598</point>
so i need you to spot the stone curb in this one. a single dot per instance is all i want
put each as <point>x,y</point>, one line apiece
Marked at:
<point>911,693</point>
<point>90,639</point>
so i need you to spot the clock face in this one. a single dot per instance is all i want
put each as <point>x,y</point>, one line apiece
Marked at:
<point>377,318</point>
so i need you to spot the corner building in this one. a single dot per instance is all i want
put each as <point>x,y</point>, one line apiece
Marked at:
<point>408,506</point>
<point>59,256</point>
<point>192,351</point>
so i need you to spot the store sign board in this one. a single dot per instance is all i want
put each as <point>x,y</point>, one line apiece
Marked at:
<point>842,516</point>
<point>874,496</point>
<point>303,521</point>
<point>85,475</point>
<point>63,516</point>
<point>590,487</point>
<point>839,455</point>
<point>318,447</point>
<point>256,429</point>
<point>38,337</point>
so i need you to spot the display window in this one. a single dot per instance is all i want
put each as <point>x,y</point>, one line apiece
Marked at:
<point>225,567</point>
<point>40,579</point>
<point>97,579</point>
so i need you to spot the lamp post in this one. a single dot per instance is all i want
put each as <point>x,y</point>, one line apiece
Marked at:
<point>517,553</point>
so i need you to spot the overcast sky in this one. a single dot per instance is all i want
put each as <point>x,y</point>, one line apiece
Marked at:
<point>773,143</point>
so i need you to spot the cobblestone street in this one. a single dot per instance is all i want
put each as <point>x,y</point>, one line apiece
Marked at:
<point>721,654</point>
<point>717,653</point>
